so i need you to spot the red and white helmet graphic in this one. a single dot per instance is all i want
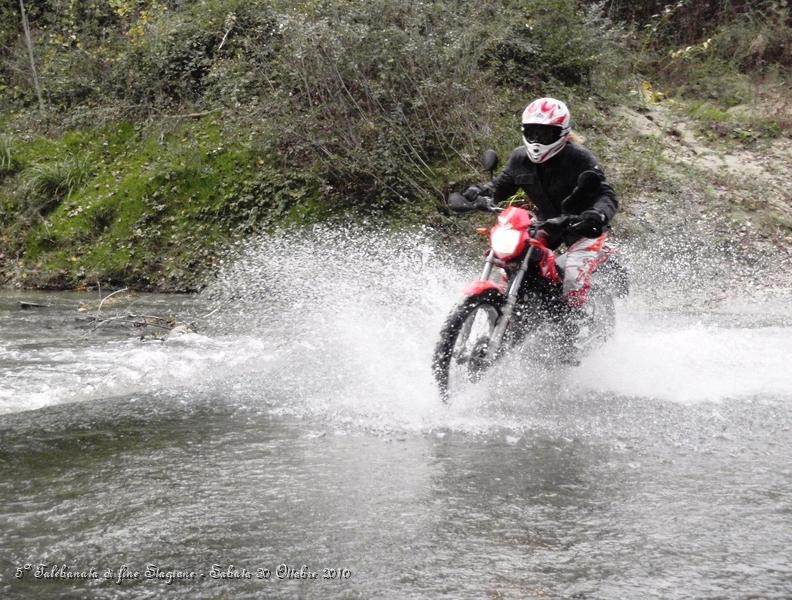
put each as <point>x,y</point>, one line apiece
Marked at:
<point>546,125</point>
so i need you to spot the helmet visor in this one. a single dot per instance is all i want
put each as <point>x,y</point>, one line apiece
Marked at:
<point>542,134</point>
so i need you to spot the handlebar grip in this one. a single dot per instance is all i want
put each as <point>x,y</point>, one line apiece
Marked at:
<point>459,204</point>
<point>562,222</point>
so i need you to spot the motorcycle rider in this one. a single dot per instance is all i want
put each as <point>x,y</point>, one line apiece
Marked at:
<point>546,167</point>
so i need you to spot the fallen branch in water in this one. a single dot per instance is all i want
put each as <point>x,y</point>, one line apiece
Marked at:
<point>28,305</point>
<point>133,321</point>
<point>160,327</point>
<point>99,308</point>
<point>111,299</point>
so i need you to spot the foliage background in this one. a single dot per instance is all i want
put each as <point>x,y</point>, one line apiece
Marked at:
<point>172,128</point>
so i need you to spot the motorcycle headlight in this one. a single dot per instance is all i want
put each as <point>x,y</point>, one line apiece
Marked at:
<point>504,241</point>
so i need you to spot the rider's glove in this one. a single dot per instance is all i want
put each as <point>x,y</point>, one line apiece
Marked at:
<point>472,193</point>
<point>591,223</point>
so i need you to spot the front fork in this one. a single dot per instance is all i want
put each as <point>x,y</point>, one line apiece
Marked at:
<point>511,300</point>
<point>485,275</point>
<point>496,340</point>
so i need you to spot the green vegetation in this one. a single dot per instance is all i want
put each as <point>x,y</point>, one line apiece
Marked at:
<point>171,129</point>
<point>141,207</point>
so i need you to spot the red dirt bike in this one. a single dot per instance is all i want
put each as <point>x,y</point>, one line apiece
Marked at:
<point>519,293</point>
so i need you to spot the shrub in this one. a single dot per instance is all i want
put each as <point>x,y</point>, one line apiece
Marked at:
<point>379,93</point>
<point>724,66</point>
<point>757,39</point>
<point>558,42</point>
<point>674,23</point>
<point>215,52</point>
<point>713,50</point>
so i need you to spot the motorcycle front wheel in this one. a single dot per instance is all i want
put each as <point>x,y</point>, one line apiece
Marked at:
<point>463,354</point>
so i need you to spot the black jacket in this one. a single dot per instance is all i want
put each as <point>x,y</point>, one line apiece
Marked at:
<point>550,182</point>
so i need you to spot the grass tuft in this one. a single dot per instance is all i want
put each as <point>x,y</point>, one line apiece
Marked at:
<point>8,163</point>
<point>47,184</point>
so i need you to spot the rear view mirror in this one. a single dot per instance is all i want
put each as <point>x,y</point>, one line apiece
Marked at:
<point>490,160</point>
<point>459,204</point>
<point>589,181</point>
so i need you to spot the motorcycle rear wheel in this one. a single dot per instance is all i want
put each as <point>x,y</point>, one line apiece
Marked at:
<point>462,353</point>
<point>599,321</point>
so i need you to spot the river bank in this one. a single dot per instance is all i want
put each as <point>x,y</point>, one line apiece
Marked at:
<point>158,210</point>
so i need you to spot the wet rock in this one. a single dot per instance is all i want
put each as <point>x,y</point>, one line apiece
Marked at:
<point>30,305</point>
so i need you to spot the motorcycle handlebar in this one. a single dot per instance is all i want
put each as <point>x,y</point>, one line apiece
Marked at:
<point>459,204</point>
<point>487,204</point>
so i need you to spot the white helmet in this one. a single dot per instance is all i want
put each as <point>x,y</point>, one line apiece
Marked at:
<point>546,124</point>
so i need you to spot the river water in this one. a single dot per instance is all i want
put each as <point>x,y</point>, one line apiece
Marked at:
<point>298,432</point>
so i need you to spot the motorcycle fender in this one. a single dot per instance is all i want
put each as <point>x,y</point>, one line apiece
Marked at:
<point>479,287</point>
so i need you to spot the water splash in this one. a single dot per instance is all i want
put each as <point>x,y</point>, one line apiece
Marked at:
<point>341,323</point>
